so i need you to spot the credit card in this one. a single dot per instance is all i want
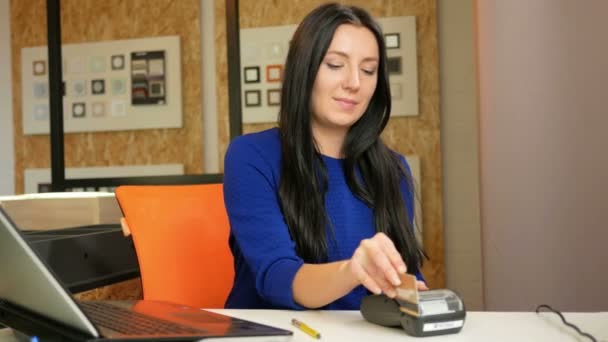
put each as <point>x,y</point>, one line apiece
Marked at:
<point>408,290</point>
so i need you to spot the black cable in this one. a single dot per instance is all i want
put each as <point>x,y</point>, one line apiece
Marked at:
<point>578,330</point>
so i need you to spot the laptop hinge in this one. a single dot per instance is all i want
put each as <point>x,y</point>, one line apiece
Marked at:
<point>30,324</point>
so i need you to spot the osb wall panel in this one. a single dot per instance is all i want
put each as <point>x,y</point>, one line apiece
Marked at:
<point>125,290</point>
<point>418,135</point>
<point>92,21</point>
<point>221,65</point>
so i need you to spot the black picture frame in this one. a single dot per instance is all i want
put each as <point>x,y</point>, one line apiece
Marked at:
<point>117,62</point>
<point>98,87</point>
<point>388,37</point>
<point>394,65</point>
<point>256,102</point>
<point>75,113</point>
<point>256,78</point>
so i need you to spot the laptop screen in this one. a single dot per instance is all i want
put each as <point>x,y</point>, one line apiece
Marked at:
<point>27,282</point>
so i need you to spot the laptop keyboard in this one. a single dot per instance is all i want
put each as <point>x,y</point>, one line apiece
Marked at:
<point>130,322</point>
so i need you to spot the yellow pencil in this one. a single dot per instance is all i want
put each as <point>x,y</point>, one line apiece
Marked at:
<point>305,328</point>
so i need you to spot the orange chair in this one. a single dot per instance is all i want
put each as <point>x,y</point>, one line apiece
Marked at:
<point>180,234</point>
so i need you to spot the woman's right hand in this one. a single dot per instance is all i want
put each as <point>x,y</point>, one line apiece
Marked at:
<point>376,264</point>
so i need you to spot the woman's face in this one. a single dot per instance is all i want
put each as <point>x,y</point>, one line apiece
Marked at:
<point>346,79</point>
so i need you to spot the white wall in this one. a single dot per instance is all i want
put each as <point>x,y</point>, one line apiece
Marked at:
<point>7,159</point>
<point>460,150</point>
<point>209,88</point>
<point>543,71</point>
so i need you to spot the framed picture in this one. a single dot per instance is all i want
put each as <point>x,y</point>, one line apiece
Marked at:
<point>98,109</point>
<point>118,62</point>
<point>392,40</point>
<point>119,108</point>
<point>78,110</point>
<point>252,74</point>
<point>253,98</point>
<point>39,68</point>
<point>394,65</point>
<point>119,86</point>
<point>138,80</point>
<point>97,64</point>
<point>41,90</point>
<point>274,73</point>
<point>98,87</point>
<point>396,91</point>
<point>273,97</point>
<point>148,72</point>
<point>78,88</point>
<point>41,112</point>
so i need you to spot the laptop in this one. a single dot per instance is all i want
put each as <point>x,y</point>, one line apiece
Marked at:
<point>35,303</point>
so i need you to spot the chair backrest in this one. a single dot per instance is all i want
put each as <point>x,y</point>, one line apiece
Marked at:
<point>180,234</point>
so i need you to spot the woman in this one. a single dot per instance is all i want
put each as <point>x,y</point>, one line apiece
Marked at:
<point>320,209</point>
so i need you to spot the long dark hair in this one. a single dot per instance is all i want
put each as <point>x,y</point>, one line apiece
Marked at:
<point>304,179</point>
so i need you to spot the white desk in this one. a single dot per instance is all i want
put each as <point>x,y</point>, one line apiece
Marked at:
<point>479,326</point>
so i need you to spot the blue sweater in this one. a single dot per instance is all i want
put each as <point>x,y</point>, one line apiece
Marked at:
<point>265,258</point>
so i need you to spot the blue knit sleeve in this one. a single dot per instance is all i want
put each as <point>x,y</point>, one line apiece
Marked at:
<point>256,220</point>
